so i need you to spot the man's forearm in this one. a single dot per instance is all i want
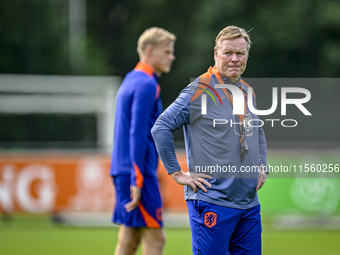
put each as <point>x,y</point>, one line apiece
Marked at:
<point>165,146</point>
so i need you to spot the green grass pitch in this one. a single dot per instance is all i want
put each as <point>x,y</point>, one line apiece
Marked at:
<point>35,235</point>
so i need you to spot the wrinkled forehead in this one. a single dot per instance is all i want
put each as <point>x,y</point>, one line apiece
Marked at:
<point>237,44</point>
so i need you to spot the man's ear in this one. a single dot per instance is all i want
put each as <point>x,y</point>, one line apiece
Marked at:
<point>215,53</point>
<point>148,50</point>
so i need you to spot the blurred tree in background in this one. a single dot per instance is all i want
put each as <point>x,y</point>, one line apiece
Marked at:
<point>290,38</point>
<point>35,39</point>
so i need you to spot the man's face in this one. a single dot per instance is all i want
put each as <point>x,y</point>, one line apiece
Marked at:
<point>162,56</point>
<point>231,58</point>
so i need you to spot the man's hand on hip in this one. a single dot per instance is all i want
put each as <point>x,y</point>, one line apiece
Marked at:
<point>192,179</point>
<point>262,178</point>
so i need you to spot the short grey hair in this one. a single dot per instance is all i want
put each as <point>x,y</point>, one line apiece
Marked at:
<point>232,32</point>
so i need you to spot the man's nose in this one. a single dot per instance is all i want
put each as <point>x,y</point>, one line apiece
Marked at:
<point>234,57</point>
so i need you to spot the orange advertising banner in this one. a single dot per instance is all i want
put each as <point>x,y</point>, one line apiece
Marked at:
<point>49,183</point>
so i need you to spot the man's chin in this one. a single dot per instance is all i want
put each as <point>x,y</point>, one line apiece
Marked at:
<point>233,76</point>
<point>167,70</point>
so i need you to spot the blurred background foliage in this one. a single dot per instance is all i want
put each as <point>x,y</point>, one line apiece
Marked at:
<point>290,38</point>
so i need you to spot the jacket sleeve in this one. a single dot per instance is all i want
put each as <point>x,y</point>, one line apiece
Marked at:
<point>262,140</point>
<point>172,119</point>
<point>141,108</point>
<point>262,144</point>
<point>262,147</point>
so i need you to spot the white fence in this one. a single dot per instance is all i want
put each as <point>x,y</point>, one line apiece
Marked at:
<point>27,94</point>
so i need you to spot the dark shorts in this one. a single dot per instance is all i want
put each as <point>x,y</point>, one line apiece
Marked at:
<point>148,214</point>
<point>221,230</point>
